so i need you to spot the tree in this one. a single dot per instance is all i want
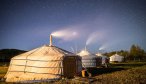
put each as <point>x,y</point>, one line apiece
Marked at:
<point>136,53</point>
<point>124,53</point>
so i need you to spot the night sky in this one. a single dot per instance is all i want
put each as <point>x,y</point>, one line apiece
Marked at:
<point>112,24</point>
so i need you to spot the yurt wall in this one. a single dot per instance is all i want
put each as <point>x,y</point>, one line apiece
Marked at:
<point>44,63</point>
<point>89,60</point>
<point>116,58</point>
<point>105,59</point>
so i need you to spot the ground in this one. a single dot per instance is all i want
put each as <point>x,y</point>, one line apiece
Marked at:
<point>3,71</point>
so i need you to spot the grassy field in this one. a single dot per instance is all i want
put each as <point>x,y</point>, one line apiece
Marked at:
<point>131,76</point>
<point>3,71</point>
<point>117,73</point>
<point>127,65</point>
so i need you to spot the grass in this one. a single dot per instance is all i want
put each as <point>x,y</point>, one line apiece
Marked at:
<point>3,71</point>
<point>131,76</point>
<point>127,65</point>
<point>3,68</point>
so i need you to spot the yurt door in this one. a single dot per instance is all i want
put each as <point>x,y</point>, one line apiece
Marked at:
<point>69,66</point>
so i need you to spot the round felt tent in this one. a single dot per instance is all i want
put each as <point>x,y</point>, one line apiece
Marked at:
<point>89,60</point>
<point>44,63</point>
<point>105,59</point>
<point>116,58</point>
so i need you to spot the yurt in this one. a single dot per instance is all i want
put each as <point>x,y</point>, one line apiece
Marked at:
<point>89,60</point>
<point>105,59</point>
<point>116,58</point>
<point>44,63</point>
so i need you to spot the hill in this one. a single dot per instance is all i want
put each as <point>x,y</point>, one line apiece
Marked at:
<point>7,54</point>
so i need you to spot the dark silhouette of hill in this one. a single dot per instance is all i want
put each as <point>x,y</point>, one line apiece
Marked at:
<point>7,54</point>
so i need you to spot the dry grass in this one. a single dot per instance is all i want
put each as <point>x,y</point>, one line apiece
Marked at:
<point>131,76</point>
<point>3,71</point>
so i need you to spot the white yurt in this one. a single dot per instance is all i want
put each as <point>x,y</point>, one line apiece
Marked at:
<point>44,63</point>
<point>105,59</point>
<point>89,60</point>
<point>116,58</point>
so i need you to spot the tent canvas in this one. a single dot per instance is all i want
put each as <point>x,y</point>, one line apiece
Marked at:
<point>43,63</point>
<point>116,58</point>
<point>89,60</point>
<point>105,59</point>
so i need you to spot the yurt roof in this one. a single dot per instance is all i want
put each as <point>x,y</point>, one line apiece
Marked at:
<point>98,54</point>
<point>101,55</point>
<point>116,55</point>
<point>45,50</point>
<point>85,53</point>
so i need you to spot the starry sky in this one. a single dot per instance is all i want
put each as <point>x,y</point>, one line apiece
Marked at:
<point>108,24</point>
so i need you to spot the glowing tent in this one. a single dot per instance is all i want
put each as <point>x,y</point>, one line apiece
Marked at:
<point>116,58</point>
<point>89,60</point>
<point>43,63</point>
